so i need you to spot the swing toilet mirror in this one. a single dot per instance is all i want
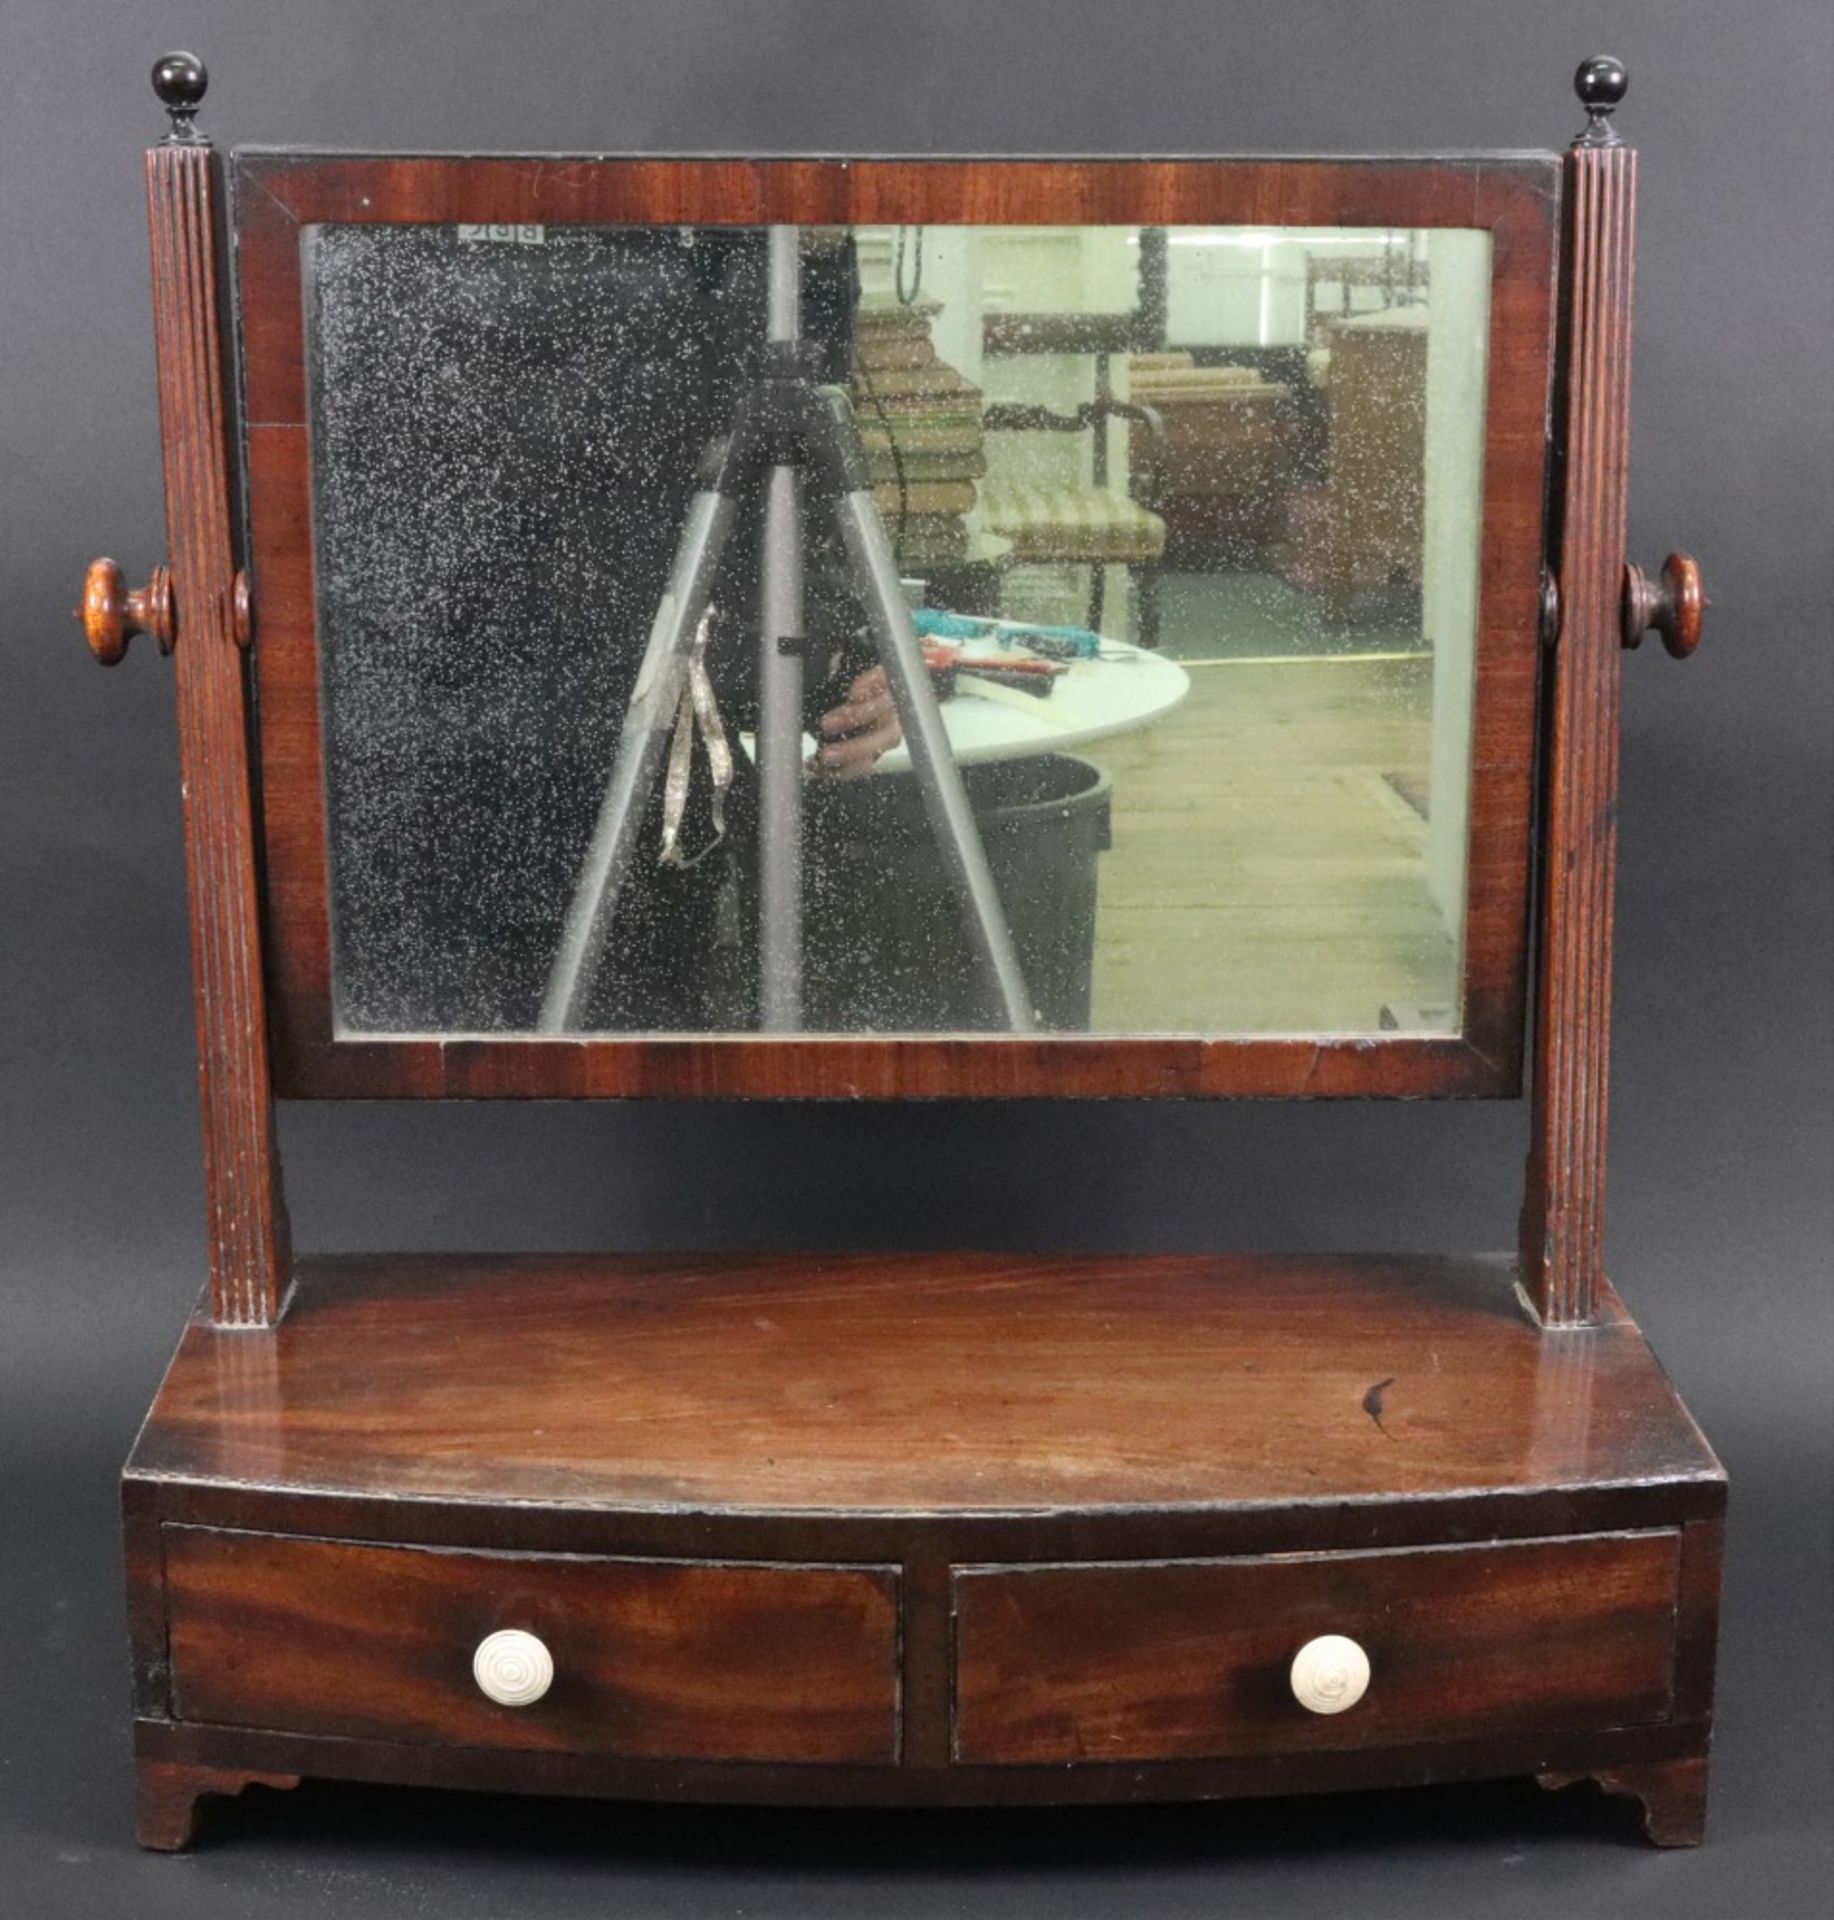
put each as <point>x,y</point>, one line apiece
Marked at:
<point>1162,563</point>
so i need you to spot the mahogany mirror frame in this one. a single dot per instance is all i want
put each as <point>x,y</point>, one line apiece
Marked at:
<point>278,192</point>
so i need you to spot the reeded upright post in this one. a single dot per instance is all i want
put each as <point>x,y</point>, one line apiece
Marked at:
<point>246,1216</point>
<point>1563,1212</point>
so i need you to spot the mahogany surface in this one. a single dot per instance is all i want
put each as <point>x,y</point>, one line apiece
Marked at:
<point>247,1222</point>
<point>1151,1661</point>
<point>112,612</point>
<point>1673,604</point>
<point>654,1658</point>
<point>920,1384</point>
<point>1563,1207</point>
<point>922,1436</point>
<point>1660,1759</point>
<point>1515,197</point>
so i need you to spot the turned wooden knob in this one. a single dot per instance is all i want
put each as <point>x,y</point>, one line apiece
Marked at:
<point>1330,1674</point>
<point>111,615</point>
<point>1671,606</point>
<point>512,1668</point>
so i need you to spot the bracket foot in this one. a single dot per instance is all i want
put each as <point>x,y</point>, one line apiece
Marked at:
<point>169,1792</point>
<point>1673,1794</point>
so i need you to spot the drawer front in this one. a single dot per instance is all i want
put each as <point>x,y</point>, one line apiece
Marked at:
<point>1184,1660</point>
<point>651,1658</point>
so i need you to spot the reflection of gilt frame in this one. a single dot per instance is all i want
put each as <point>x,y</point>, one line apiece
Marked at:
<point>899,1528</point>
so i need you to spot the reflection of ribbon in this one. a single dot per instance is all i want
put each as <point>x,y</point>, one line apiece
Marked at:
<point>698,708</point>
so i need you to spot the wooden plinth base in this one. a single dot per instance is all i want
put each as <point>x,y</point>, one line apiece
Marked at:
<point>940,1529</point>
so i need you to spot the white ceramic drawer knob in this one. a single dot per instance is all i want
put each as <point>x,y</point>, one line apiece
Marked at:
<point>513,1667</point>
<point>1330,1674</point>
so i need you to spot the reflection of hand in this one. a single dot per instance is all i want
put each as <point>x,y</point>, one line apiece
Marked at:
<point>859,730</point>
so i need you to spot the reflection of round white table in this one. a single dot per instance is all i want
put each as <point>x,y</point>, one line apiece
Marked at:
<point>1128,688</point>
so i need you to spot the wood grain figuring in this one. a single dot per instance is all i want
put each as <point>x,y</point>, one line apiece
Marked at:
<point>1515,199</point>
<point>1563,1210</point>
<point>863,1385</point>
<point>1057,1665</point>
<point>246,1217</point>
<point>656,1659</point>
<point>923,1419</point>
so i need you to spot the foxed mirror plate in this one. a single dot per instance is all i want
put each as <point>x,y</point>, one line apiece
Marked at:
<point>1215,628</point>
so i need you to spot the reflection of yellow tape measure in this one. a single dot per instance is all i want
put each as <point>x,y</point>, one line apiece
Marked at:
<point>1309,659</point>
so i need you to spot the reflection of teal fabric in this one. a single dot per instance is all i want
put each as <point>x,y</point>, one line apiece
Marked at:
<point>1051,643</point>
<point>934,624</point>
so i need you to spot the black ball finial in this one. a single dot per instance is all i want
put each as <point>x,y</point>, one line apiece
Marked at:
<point>180,80</point>
<point>1601,83</point>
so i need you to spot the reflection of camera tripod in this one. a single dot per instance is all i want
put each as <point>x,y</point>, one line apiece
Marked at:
<point>786,426</point>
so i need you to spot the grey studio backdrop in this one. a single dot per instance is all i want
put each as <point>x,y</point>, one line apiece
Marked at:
<point>1719,1226</point>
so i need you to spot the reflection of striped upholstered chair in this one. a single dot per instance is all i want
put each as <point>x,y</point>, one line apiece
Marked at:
<point>1093,524</point>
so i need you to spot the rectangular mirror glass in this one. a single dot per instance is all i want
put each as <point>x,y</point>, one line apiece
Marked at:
<point>1187,518</point>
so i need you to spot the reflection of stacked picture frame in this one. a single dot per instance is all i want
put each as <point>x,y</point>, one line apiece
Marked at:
<point>1374,525</point>
<point>920,424</point>
<point>1227,456</point>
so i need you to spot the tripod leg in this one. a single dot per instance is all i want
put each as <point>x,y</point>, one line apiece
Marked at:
<point>780,695</point>
<point>945,799</point>
<point>780,758</point>
<point>641,747</point>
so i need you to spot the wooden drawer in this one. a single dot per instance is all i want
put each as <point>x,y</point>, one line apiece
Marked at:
<point>1182,1660</point>
<point>651,1658</point>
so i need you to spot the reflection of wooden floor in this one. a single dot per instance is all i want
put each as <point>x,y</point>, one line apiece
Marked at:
<point>1265,876</point>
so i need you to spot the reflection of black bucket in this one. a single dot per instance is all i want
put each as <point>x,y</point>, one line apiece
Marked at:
<point>884,947</point>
